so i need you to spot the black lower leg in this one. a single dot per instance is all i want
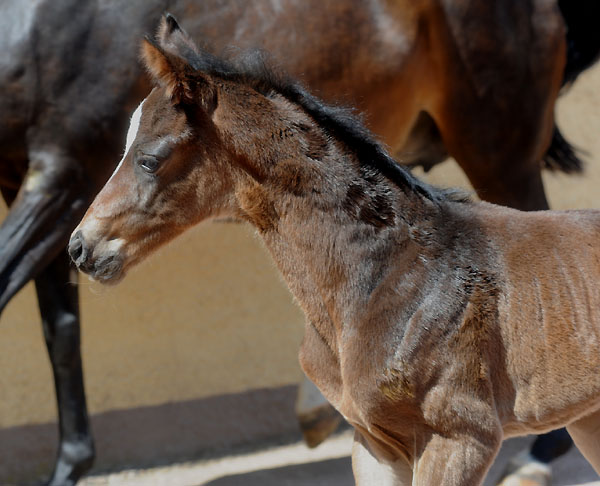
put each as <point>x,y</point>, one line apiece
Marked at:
<point>58,300</point>
<point>548,447</point>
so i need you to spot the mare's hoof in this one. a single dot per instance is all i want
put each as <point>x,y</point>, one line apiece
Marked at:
<point>74,460</point>
<point>524,470</point>
<point>318,424</point>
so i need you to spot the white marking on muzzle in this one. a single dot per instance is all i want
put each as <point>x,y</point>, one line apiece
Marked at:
<point>113,246</point>
<point>134,126</point>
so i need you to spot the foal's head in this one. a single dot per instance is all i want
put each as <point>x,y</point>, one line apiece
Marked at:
<point>206,142</point>
<point>172,174</point>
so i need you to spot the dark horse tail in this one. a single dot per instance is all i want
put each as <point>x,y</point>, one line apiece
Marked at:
<point>581,19</point>
<point>561,155</point>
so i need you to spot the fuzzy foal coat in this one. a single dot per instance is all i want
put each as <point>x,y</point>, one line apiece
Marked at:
<point>437,326</point>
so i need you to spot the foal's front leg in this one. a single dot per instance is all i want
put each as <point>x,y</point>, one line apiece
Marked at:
<point>585,432</point>
<point>368,470</point>
<point>460,461</point>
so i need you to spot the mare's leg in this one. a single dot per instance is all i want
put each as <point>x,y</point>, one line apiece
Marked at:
<point>58,300</point>
<point>316,416</point>
<point>532,466</point>
<point>457,461</point>
<point>370,471</point>
<point>517,187</point>
<point>547,447</point>
<point>495,108</point>
<point>586,435</point>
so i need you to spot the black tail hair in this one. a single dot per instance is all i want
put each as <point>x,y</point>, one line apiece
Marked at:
<point>561,155</point>
<point>583,49</point>
<point>582,19</point>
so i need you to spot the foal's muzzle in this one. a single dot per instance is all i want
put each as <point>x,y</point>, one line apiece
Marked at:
<point>101,267</point>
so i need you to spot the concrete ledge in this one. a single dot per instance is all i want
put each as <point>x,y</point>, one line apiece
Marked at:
<point>157,435</point>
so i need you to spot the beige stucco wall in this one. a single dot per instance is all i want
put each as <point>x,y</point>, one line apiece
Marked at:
<point>209,315</point>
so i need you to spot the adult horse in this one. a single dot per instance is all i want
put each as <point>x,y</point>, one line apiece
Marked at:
<point>436,325</point>
<point>69,79</point>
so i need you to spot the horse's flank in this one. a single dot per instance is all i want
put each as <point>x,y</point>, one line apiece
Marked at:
<point>436,325</point>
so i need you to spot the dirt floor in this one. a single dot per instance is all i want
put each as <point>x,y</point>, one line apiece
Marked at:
<point>296,465</point>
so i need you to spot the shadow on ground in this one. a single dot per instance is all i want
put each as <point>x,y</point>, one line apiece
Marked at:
<point>333,472</point>
<point>568,470</point>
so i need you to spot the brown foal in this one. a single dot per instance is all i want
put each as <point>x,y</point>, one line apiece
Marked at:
<point>436,325</point>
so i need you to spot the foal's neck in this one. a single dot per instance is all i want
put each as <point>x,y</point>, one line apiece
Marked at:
<point>332,222</point>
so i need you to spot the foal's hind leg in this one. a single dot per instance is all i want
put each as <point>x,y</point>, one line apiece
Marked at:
<point>585,433</point>
<point>58,300</point>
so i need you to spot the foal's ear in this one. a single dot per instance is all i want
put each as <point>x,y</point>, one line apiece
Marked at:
<point>183,84</point>
<point>172,38</point>
<point>167,69</point>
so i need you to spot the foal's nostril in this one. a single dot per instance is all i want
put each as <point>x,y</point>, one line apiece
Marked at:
<point>78,249</point>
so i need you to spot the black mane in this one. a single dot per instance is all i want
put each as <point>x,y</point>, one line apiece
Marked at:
<point>253,68</point>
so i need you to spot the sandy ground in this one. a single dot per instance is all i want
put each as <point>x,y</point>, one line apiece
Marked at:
<point>296,465</point>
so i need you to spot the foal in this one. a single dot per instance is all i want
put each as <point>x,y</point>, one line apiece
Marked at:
<point>437,326</point>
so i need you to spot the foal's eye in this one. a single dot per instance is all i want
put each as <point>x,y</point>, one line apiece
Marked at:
<point>149,164</point>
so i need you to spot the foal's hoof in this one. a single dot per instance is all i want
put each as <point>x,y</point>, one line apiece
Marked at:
<point>319,424</point>
<point>524,470</point>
